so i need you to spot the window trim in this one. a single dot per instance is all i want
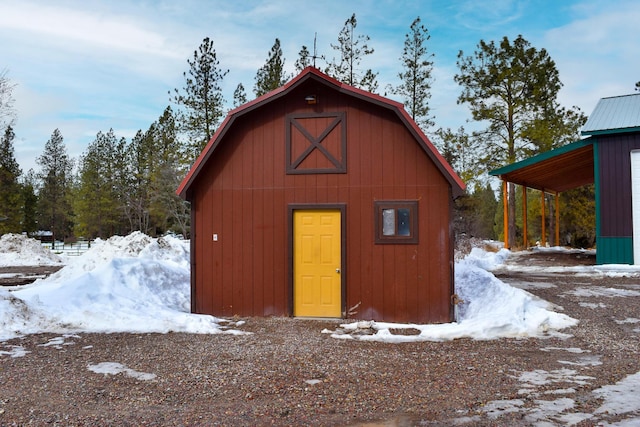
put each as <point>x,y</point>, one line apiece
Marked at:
<point>379,206</point>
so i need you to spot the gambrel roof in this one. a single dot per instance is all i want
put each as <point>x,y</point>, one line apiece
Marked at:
<point>450,175</point>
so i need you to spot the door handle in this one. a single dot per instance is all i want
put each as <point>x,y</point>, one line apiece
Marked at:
<point>338,270</point>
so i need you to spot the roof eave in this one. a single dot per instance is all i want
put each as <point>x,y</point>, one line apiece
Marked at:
<point>610,131</point>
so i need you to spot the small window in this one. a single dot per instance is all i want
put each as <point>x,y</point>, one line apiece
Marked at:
<point>396,222</point>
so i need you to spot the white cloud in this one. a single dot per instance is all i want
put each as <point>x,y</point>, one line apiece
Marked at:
<point>77,29</point>
<point>597,53</point>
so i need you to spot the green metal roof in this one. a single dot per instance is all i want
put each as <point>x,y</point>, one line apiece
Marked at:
<point>558,170</point>
<point>615,114</point>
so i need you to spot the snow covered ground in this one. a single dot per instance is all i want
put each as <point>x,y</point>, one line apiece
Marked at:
<point>139,284</point>
<point>124,284</point>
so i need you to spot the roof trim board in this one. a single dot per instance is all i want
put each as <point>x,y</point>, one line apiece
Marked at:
<point>611,131</point>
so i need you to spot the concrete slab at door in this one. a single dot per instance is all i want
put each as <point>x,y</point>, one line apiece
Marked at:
<point>317,288</point>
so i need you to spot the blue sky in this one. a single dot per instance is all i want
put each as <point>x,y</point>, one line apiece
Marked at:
<point>88,66</point>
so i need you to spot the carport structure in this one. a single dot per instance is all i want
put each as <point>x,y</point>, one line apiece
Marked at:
<point>609,157</point>
<point>552,172</point>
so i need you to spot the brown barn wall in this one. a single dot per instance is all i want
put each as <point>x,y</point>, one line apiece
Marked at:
<point>614,163</point>
<point>243,195</point>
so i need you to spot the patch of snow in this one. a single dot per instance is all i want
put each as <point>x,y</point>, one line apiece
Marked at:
<point>599,291</point>
<point>573,350</point>
<point>539,377</point>
<point>531,285</point>
<point>113,368</point>
<point>14,351</point>
<point>628,320</point>
<point>593,305</point>
<point>593,360</point>
<point>616,396</point>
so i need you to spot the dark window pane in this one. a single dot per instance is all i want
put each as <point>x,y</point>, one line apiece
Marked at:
<point>404,223</point>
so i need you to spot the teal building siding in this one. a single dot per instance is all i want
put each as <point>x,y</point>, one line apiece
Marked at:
<point>614,250</point>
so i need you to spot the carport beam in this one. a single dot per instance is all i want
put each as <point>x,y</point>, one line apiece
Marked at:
<point>505,214</point>
<point>543,215</point>
<point>525,238</point>
<point>557,218</point>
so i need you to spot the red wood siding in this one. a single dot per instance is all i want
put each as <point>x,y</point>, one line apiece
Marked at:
<point>243,194</point>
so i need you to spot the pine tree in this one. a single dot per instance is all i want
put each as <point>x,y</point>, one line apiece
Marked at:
<point>166,209</point>
<point>352,50</point>
<point>638,86</point>
<point>201,97</point>
<point>416,77</point>
<point>239,96</point>
<point>29,202</point>
<point>10,194</point>
<point>54,205</point>
<point>102,188</point>
<point>271,75</point>
<point>459,150</point>
<point>505,86</point>
<point>304,59</point>
<point>140,159</point>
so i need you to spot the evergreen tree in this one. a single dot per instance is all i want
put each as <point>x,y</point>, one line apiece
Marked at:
<point>304,59</point>
<point>10,194</point>
<point>201,97</point>
<point>239,96</point>
<point>638,86</point>
<point>416,78</point>
<point>459,150</point>
<point>487,207</point>
<point>577,217</point>
<point>54,206</point>
<point>352,50</point>
<point>155,170</point>
<point>506,86</point>
<point>271,75</point>
<point>97,208</point>
<point>474,214</point>
<point>29,202</point>
<point>140,159</point>
<point>166,209</point>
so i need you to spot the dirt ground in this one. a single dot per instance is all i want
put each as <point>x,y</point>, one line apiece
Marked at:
<point>288,373</point>
<point>14,276</point>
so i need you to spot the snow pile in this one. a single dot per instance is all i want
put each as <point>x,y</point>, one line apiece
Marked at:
<point>139,284</point>
<point>125,284</point>
<point>19,250</point>
<point>488,309</point>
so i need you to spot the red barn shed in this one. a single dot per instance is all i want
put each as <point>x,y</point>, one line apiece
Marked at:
<point>319,199</point>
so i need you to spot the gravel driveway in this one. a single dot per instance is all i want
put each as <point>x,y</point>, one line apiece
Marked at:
<point>288,373</point>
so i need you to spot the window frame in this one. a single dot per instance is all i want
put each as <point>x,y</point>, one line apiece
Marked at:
<point>379,206</point>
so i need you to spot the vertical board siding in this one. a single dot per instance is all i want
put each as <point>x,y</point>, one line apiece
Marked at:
<point>244,194</point>
<point>614,163</point>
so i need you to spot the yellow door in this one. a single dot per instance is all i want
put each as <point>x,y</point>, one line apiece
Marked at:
<point>317,289</point>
